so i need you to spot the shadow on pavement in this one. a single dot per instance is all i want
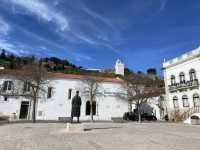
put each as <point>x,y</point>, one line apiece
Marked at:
<point>100,128</point>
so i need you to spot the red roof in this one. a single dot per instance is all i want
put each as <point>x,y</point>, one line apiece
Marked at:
<point>11,72</point>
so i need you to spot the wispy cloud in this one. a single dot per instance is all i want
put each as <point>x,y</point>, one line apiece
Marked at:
<point>43,11</point>
<point>52,48</point>
<point>4,27</point>
<point>13,48</point>
<point>20,49</point>
<point>5,45</point>
<point>95,15</point>
<point>96,42</point>
<point>82,57</point>
<point>95,35</point>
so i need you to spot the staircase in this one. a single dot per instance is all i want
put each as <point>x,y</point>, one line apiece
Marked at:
<point>189,112</point>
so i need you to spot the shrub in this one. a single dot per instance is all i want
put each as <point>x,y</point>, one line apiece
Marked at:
<point>177,116</point>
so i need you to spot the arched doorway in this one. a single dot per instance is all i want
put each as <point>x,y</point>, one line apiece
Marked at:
<point>88,108</point>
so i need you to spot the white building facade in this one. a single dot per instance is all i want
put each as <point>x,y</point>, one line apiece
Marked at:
<point>56,103</point>
<point>182,75</point>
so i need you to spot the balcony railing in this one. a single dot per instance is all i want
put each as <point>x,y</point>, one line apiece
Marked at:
<point>12,92</point>
<point>184,85</point>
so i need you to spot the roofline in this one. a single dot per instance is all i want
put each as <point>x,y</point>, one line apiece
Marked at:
<point>195,53</point>
<point>10,72</point>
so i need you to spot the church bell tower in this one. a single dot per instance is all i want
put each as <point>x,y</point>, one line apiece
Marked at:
<point>119,67</point>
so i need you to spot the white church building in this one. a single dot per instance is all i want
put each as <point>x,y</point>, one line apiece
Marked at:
<point>56,103</point>
<point>182,75</point>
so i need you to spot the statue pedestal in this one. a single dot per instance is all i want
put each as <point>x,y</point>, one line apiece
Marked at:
<point>74,127</point>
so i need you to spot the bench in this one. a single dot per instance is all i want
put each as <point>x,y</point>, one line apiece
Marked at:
<point>4,119</point>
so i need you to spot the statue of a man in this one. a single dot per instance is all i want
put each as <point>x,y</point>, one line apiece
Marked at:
<point>76,105</point>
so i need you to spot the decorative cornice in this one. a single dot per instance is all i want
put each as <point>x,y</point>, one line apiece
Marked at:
<point>181,59</point>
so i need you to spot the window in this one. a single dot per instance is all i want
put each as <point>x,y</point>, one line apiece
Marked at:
<point>88,108</point>
<point>94,108</point>
<point>192,75</point>
<point>173,80</point>
<point>185,101</point>
<point>175,102</point>
<point>7,85</point>
<point>69,93</point>
<point>49,93</point>
<point>196,100</point>
<point>87,112</point>
<point>182,77</point>
<point>27,86</point>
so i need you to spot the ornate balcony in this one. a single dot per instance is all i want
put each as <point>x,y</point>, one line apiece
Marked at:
<point>184,85</point>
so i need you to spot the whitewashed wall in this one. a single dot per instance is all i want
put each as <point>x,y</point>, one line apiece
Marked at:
<point>108,105</point>
<point>12,106</point>
<point>60,106</point>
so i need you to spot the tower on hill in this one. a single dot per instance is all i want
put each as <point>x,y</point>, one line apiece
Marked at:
<point>119,67</point>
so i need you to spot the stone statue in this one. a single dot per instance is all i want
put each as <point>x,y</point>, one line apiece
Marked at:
<point>76,105</point>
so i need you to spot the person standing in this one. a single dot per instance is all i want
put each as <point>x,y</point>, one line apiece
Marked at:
<point>76,106</point>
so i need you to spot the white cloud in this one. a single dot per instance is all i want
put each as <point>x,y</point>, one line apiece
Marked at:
<point>43,11</point>
<point>84,38</point>
<point>80,57</point>
<point>17,49</point>
<point>4,27</point>
<point>95,15</point>
<point>4,44</point>
<point>49,13</point>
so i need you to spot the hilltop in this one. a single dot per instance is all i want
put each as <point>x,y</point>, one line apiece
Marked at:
<point>53,64</point>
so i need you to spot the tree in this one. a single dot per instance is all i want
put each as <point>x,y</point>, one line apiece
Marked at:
<point>35,77</point>
<point>151,71</point>
<point>127,71</point>
<point>91,87</point>
<point>139,88</point>
<point>3,54</point>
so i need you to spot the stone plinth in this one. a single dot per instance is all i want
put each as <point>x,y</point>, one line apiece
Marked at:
<point>74,127</point>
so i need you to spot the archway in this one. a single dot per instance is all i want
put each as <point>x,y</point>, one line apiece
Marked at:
<point>88,108</point>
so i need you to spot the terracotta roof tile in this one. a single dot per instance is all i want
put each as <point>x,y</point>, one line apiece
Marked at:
<point>10,72</point>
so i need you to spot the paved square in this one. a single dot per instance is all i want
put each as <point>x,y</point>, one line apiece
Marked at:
<point>100,136</point>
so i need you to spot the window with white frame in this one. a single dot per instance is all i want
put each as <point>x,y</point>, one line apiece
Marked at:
<point>175,102</point>
<point>192,75</point>
<point>182,77</point>
<point>173,80</point>
<point>27,86</point>
<point>7,85</point>
<point>196,100</point>
<point>185,101</point>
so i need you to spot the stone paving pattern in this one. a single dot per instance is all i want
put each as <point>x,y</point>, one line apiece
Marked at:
<point>100,136</point>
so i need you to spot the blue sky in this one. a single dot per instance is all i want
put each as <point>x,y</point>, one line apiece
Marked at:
<point>94,33</point>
